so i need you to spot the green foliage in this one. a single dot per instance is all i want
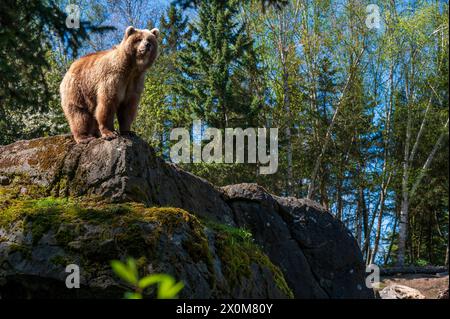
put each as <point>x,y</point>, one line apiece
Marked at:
<point>174,31</point>
<point>422,263</point>
<point>211,81</point>
<point>168,288</point>
<point>264,3</point>
<point>160,109</point>
<point>230,65</point>
<point>127,272</point>
<point>231,70</point>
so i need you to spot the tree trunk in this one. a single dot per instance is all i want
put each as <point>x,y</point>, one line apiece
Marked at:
<point>339,199</point>
<point>318,163</point>
<point>323,192</point>
<point>446,255</point>
<point>283,50</point>
<point>358,221</point>
<point>388,255</point>
<point>403,223</point>
<point>287,108</point>
<point>378,232</point>
<point>385,182</point>
<point>365,218</point>
<point>429,159</point>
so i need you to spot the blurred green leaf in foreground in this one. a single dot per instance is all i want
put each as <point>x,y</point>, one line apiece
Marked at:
<point>167,287</point>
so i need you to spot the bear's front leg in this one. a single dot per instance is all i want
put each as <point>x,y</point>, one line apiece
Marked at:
<point>104,115</point>
<point>126,115</point>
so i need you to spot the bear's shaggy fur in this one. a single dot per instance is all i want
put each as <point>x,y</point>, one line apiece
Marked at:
<point>100,85</point>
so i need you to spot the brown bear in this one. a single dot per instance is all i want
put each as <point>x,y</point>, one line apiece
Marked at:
<point>100,85</point>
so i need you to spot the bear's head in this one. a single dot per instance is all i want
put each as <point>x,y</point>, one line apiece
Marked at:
<point>141,45</point>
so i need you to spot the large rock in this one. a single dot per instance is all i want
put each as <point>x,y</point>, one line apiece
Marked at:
<point>41,239</point>
<point>317,255</point>
<point>120,170</point>
<point>400,292</point>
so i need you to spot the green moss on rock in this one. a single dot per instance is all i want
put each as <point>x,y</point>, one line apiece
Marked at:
<point>22,249</point>
<point>130,229</point>
<point>50,151</point>
<point>21,187</point>
<point>64,216</point>
<point>238,253</point>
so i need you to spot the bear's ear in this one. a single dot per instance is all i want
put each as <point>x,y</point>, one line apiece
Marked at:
<point>155,32</point>
<point>129,31</point>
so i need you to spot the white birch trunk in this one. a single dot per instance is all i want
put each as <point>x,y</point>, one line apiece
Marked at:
<point>403,221</point>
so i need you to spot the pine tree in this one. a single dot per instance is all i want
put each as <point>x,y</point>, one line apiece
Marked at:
<point>161,108</point>
<point>212,63</point>
<point>173,27</point>
<point>264,3</point>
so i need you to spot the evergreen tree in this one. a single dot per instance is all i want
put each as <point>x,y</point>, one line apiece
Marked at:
<point>211,65</point>
<point>264,3</point>
<point>161,109</point>
<point>174,32</point>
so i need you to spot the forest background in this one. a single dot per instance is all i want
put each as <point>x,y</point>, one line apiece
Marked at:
<point>361,107</point>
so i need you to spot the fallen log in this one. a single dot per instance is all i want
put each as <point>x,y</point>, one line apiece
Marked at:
<point>430,270</point>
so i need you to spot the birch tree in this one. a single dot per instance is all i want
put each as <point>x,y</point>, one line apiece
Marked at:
<point>419,39</point>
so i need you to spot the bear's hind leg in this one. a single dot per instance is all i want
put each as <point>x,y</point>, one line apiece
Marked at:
<point>81,123</point>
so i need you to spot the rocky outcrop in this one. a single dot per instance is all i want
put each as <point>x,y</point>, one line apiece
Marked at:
<point>43,236</point>
<point>120,170</point>
<point>303,239</point>
<point>400,292</point>
<point>88,204</point>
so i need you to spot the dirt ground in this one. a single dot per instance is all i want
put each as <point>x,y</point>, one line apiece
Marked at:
<point>428,285</point>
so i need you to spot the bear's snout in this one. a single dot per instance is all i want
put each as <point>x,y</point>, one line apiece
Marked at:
<point>145,48</point>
